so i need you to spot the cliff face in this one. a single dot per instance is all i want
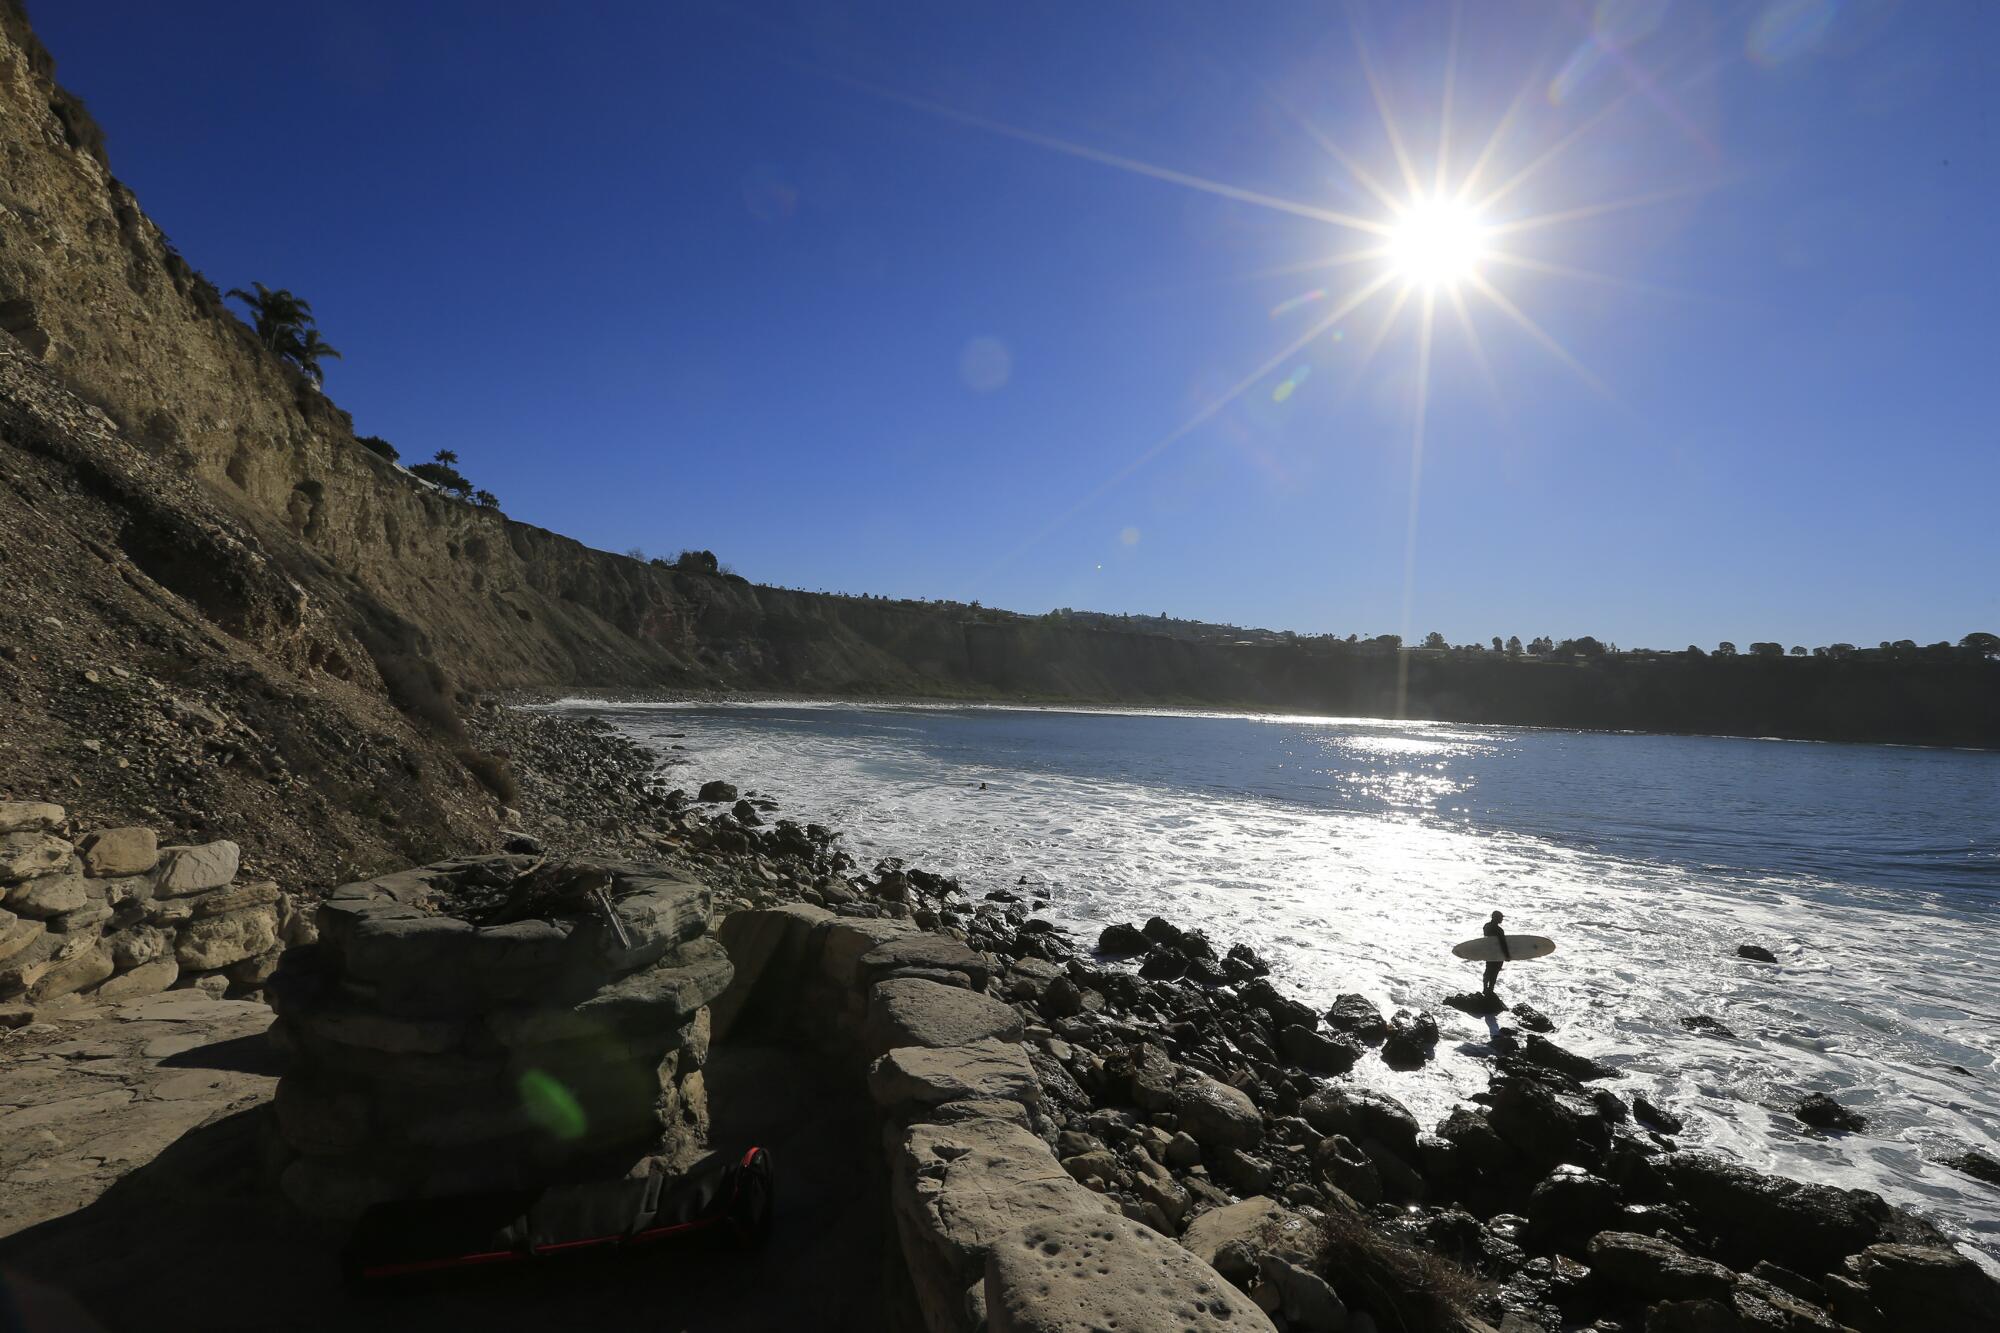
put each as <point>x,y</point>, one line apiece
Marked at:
<point>389,585</point>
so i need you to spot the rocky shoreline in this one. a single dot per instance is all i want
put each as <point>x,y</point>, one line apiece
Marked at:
<point>1178,1083</point>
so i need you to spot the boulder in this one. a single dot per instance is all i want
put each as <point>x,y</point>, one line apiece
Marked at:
<point>26,855</point>
<point>958,1189</point>
<point>715,789</point>
<point>17,934</point>
<point>909,1011</point>
<point>1532,1019</point>
<point>1706,1315</point>
<point>769,949</point>
<point>1279,1007</point>
<point>1342,1165</point>
<point>1656,1116</point>
<point>1317,1053</point>
<point>1253,1227</point>
<point>1086,1272</point>
<point>145,979</point>
<point>1756,953</point>
<point>916,1077</point>
<point>185,870</point>
<point>49,895</point>
<point>78,970</point>
<point>217,941</point>
<point>1411,1041</point>
<point>119,851</point>
<point>1211,1112</point>
<point>1809,1228</point>
<point>927,954</point>
<point>1478,1003</point>
<point>1971,1162</point>
<point>1655,1269</point>
<point>1568,1207</point>
<point>1539,1050</point>
<point>1357,1017</point>
<point>657,1000</point>
<point>232,899</point>
<point>1706,1026</point>
<point>1122,940</point>
<point>1823,1112</point>
<point>1930,1287</point>
<point>1547,1123</point>
<point>29,816</point>
<point>1362,1113</point>
<point>1305,1299</point>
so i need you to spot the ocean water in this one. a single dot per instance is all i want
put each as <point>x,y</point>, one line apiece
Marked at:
<point>1354,853</point>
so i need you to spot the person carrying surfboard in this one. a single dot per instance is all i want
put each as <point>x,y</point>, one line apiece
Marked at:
<point>1493,928</point>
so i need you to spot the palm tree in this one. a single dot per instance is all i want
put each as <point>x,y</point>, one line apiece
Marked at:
<point>307,351</point>
<point>279,316</point>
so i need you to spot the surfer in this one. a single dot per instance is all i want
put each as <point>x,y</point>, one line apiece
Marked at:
<point>1493,929</point>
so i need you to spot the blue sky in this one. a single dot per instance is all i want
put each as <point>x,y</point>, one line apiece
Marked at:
<point>857,296</point>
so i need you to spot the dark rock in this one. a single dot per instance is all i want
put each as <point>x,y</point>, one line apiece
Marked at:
<point>1707,1315</point>
<point>1477,1003</point>
<point>1362,1113</point>
<point>1120,940</point>
<point>1785,1279</point>
<point>1245,1174</point>
<point>1609,1106</point>
<point>716,790</point>
<point>1343,1166</point>
<point>1823,1112</point>
<point>1756,953</point>
<point>1653,1115</point>
<point>1934,1288</point>
<point>1656,1269</point>
<point>746,814</point>
<point>1285,1012</point>
<point>1411,1041</point>
<point>1810,1228</point>
<point>1976,1164</point>
<point>1704,1024</point>
<point>1533,1019</point>
<point>520,844</point>
<point>1317,1053</point>
<point>1539,1050</point>
<point>1568,1207</point>
<point>1546,1123</point>
<point>1062,999</point>
<point>1241,963</point>
<point>1164,965</point>
<point>1355,1016</point>
<point>1162,932</point>
<point>1401,1182</point>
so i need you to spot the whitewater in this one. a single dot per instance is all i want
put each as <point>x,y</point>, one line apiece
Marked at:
<point>1353,853</point>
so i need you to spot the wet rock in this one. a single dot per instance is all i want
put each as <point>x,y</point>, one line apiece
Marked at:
<point>1241,963</point>
<point>1702,1316</point>
<point>1927,1287</point>
<point>1709,1027</point>
<point>1341,1164</point>
<point>1532,1019</point>
<point>1282,1010</point>
<point>1163,966</point>
<point>1060,1274</point>
<point>1656,1269</point>
<point>1477,1003</point>
<point>1411,1041</point>
<point>1163,932</point>
<point>716,790</point>
<point>1806,1227</point>
<point>1823,1112</point>
<point>1401,1182</point>
<point>1974,1163</point>
<point>1354,1015</point>
<point>1317,1053</point>
<point>1539,1050</point>
<point>1756,953</point>
<point>1305,1299</point>
<point>1361,1114</point>
<point>119,851</point>
<point>1656,1116</point>
<point>1122,940</point>
<point>1568,1207</point>
<point>1548,1124</point>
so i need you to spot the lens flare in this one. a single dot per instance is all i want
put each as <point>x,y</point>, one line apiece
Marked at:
<point>1438,241</point>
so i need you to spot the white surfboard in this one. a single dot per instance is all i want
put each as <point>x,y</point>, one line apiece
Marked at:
<point>1520,948</point>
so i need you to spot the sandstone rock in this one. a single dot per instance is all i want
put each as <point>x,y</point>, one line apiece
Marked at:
<point>119,851</point>
<point>1212,1113</point>
<point>27,855</point>
<point>29,816</point>
<point>88,919</point>
<point>1080,1273</point>
<point>769,949</point>
<point>136,946</point>
<point>49,895</point>
<point>69,974</point>
<point>252,973</point>
<point>1253,1227</point>
<point>1362,1113</point>
<point>214,942</point>
<point>959,1188</point>
<point>351,1025</point>
<point>913,1012</point>
<point>661,998</point>
<point>145,979</point>
<point>845,940</point>
<point>694,1050</point>
<point>17,933</point>
<point>913,1076</point>
<point>185,870</point>
<point>929,954</point>
<point>232,899</point>
<point>1305,1299</point>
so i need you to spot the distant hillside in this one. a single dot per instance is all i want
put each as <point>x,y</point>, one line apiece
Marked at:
<point>192,509</point>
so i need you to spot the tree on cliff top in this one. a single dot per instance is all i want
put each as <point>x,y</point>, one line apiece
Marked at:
<point>284,325</point>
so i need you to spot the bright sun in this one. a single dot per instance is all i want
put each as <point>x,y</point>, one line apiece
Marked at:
<point>1436,242</point>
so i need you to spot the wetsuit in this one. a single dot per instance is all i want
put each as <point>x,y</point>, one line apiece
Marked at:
<point>1493,968</point>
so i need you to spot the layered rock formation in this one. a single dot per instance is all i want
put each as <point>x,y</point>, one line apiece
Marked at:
<point>493,1023</point>
<point>113,915</point>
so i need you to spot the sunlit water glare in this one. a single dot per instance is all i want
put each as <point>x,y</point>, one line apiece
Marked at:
<point>1353,854</point>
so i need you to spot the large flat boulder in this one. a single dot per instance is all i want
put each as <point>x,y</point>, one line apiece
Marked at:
<point>913,1077</point>
<point>119,851</point>
<point>1257,1225</point>
<point>49,895</point>
<point>1081,1273</point>
<point>659,1000</point>
<point>936,955</point>
<point>959,1188</point>
<point>912,1011</point>
<point>770,948</point>
<point>29,816</point>
<point>845,940</point>
<point>1657,1269</point>
<point>26,855</point>
<point>1804,1227</point>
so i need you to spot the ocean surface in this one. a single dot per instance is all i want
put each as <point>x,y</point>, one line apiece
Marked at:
<point>1354,853</point>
